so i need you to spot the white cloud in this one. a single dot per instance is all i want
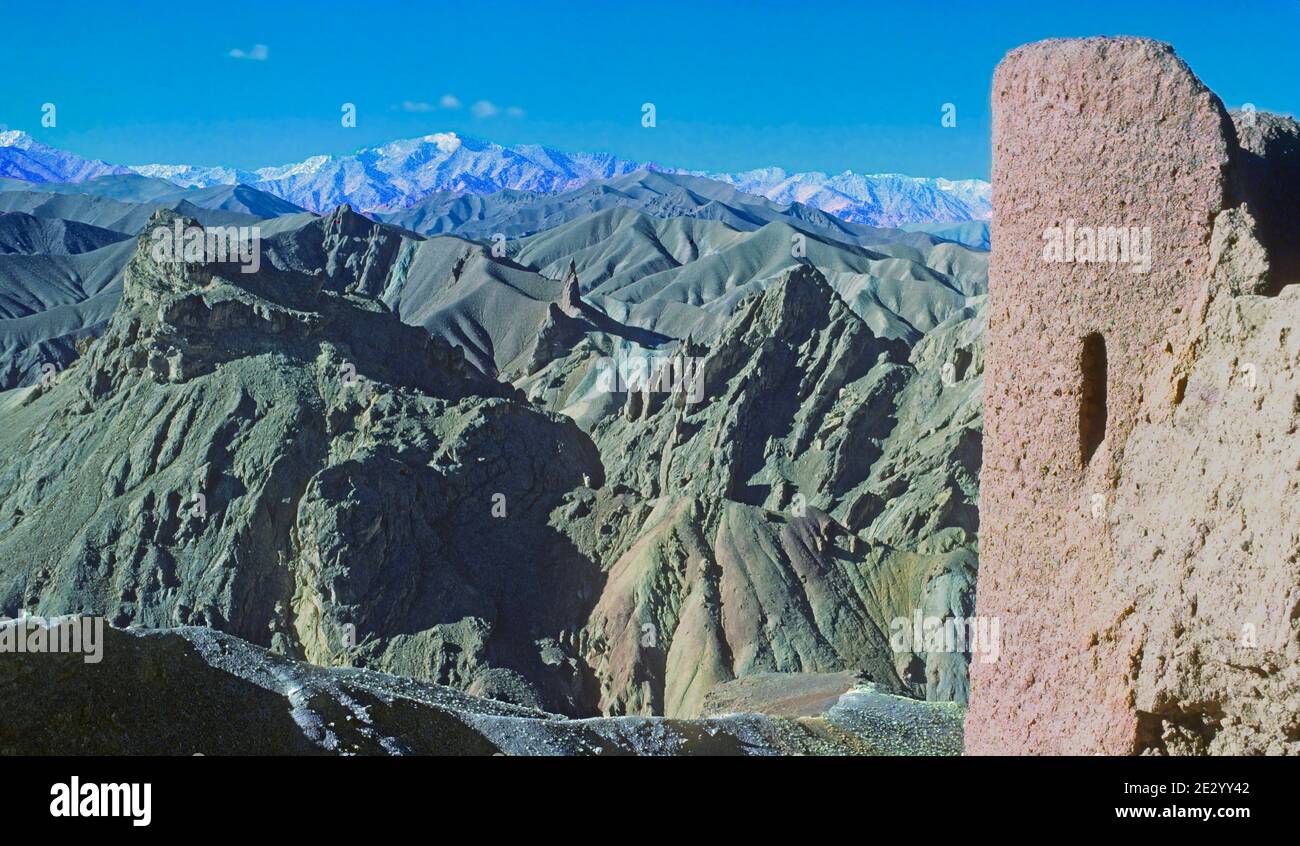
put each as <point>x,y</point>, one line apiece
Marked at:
<point>449,102</point>
<point>258,53</point>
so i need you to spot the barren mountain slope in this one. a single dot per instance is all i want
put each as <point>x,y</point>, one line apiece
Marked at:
<point>327,500</point>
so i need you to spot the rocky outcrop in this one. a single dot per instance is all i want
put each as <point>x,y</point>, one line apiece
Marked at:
<point>571,295</point>
<point>1266,178</point>
<point>1137,497</point>
<point>818,487</point>
<point>348,251</point>
<point>293,465</point>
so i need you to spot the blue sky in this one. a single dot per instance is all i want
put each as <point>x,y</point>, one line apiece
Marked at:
<point>803,85</point>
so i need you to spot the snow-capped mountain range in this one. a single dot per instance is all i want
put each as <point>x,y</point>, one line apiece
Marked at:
<point>395,175</point>
<point>23,157</point>
<point>879,199</point>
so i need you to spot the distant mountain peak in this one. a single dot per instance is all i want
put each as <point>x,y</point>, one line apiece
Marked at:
<point>16,138</point>
<point>24,157</point>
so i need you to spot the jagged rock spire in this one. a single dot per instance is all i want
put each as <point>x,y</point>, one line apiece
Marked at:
<point>571,295</point>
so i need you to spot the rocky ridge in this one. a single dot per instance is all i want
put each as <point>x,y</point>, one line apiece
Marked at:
<point>274,429</point>
<point>193,691</point>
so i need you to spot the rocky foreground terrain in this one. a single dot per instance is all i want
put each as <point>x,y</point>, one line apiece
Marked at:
<point>196,691</point>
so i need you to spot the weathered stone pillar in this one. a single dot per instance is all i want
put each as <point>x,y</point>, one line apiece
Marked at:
<point>1088,136</point>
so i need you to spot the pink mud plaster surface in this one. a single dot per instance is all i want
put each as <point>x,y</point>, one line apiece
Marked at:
<point>1101,132</point>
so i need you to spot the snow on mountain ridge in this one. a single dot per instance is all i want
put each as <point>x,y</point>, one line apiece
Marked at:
<point>23,157</point>
<point>15,138</point>
<point>881,199</point>
<point>197,176</point>
<point>399,173</point>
